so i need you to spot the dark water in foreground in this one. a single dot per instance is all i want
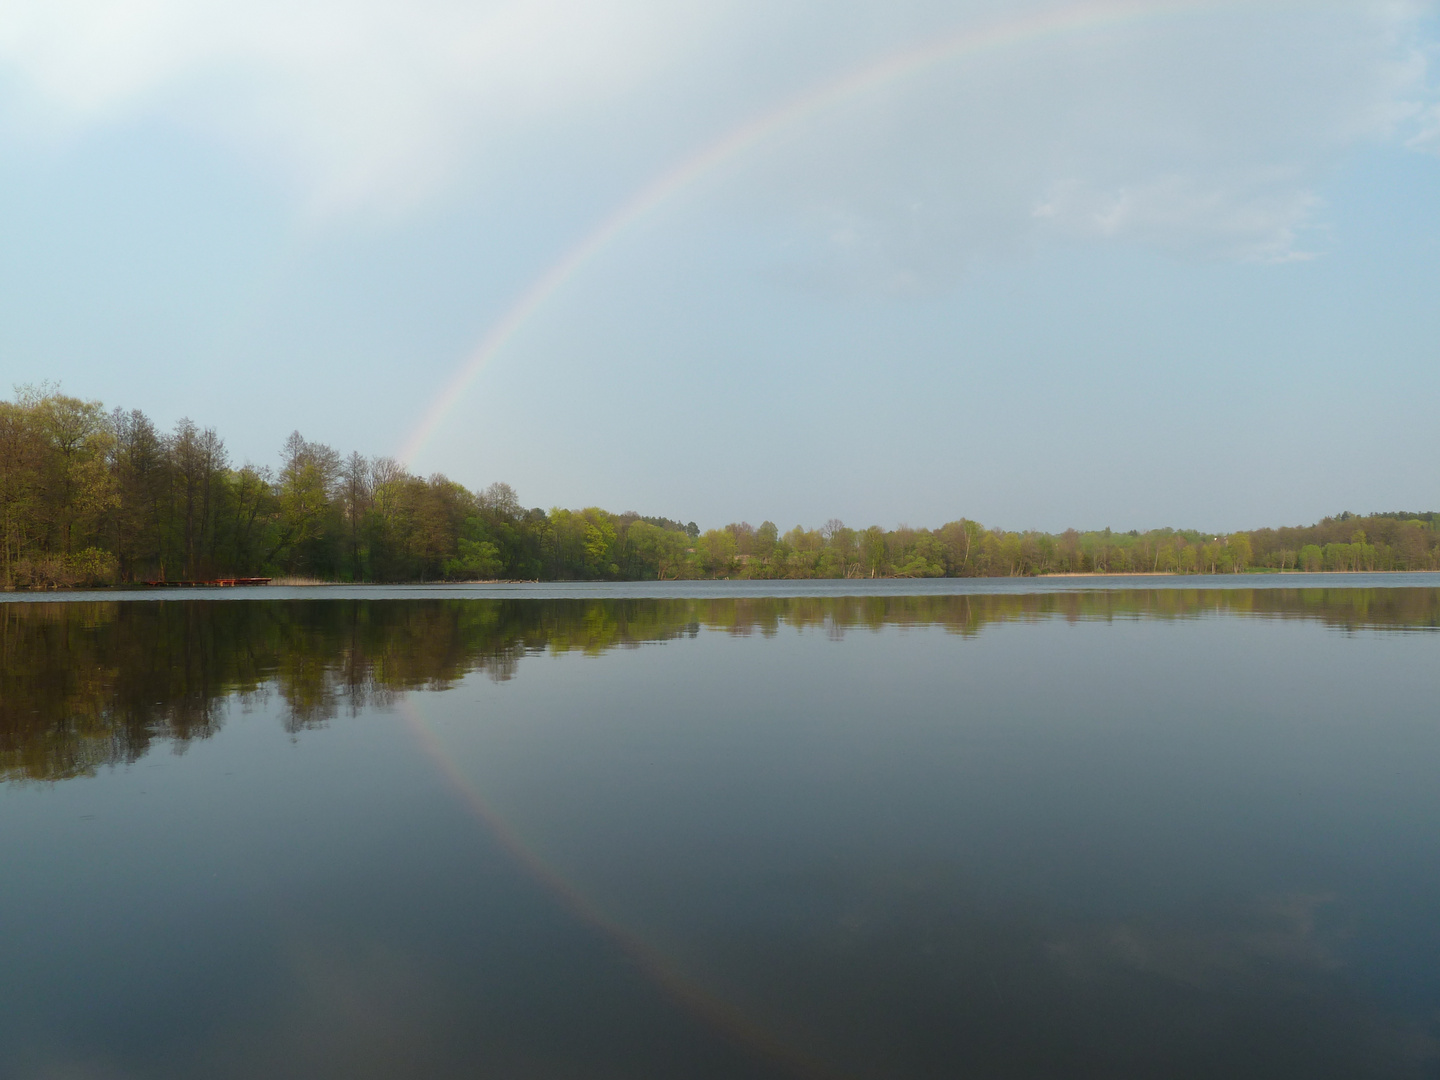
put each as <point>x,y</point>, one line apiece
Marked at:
<point>1169,833</point>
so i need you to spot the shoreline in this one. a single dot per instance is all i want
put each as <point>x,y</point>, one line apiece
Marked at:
<point>1249,579</point>
<point>1244,574</point>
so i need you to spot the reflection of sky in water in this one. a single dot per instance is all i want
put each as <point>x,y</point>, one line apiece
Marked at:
<point>1181,847</point>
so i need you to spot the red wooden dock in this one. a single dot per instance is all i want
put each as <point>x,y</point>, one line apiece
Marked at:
<point>214,583</point>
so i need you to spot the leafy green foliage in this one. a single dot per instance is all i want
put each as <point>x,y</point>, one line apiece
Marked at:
<point>90,498</point>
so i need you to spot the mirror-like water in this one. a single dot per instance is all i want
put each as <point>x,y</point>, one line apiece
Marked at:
<point>1089,833</point>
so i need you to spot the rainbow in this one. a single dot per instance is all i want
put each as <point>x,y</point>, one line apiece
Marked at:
<point>1073,19</point>
<point>718,1014</point>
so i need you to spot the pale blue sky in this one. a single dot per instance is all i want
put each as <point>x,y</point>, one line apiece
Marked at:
<point>1177,266</point>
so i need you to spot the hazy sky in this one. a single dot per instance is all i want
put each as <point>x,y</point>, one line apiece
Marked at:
<point>1035,263</point>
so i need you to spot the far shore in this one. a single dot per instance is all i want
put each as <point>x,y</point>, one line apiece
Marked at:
<point>301,582</point>
<point>1245,573</point>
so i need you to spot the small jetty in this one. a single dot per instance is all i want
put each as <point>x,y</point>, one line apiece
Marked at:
<point>213,583</point>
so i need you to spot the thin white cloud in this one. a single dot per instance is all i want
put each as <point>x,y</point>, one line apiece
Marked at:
<point>1211,136</point>
<point>1427,135</point>
<point>1209,133</point>
<point>1252,218</point>
<point>361,102</point>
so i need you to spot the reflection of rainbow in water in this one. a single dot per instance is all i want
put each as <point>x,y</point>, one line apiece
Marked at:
<point>1056,22</point>
<point>689,994</point>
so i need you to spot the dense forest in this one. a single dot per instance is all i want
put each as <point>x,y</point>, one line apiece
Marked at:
<point>94,497</point>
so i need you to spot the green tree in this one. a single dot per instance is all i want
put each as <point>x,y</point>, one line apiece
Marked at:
<point>21,453</point>
<point>141,468</point>
<point>600,536</point>
<point>477,560</point>
<point>660,552</point>
<point>308,518</point>
<point>1238,552</point>
<point>874,552</point>
<point>75,476</point>
<point>715,554</point>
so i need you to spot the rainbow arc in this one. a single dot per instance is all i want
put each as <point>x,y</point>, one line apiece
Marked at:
<point>1052,23</point>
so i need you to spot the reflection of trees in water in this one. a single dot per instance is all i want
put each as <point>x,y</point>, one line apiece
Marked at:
<point>89,684</point>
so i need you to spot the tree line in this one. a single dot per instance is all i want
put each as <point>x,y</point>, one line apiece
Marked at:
<point>94,497</point>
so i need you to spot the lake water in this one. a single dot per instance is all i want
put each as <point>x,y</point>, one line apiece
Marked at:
<point>696,830</point>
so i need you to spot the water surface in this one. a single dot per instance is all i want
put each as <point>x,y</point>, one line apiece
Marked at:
<point>760,589</point>
<point>1163,832</point>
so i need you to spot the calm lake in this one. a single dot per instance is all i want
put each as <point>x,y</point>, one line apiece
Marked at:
<point>1051,830</point>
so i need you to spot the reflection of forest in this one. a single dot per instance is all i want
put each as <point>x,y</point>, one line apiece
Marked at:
<point>89,684</point>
